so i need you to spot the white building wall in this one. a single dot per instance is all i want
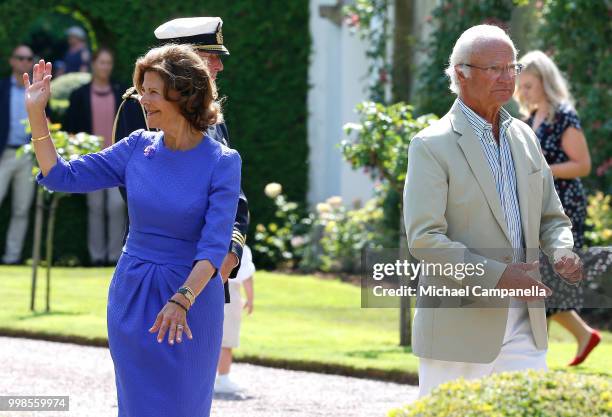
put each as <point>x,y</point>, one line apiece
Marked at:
<point>337,79</point>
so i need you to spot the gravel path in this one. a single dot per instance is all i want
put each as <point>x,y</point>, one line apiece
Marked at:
<point>32,367</point>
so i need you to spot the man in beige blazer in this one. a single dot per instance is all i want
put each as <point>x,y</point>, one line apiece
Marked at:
<point>478,190</point>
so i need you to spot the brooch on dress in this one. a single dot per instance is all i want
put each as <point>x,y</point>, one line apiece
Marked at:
<point>149,151</point>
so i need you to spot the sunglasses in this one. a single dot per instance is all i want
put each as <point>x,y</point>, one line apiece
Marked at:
<point>23,58</point>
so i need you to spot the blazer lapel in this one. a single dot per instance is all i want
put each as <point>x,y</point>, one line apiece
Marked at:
<point>472,149</point>
<point>522,168</point>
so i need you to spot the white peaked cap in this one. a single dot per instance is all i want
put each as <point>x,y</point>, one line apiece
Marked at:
<point>188,26</point>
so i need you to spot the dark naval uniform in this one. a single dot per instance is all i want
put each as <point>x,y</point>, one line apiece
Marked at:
<point>131,117</point>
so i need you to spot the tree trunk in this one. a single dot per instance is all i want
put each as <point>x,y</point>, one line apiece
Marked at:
<point>38,221</point>
<point>50,231</point>
<point>403,44</point>
<point>405,322</point>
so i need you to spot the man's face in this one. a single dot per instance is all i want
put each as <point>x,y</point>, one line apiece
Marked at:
<point>21,60</point>
<point>215,65</point>
<point>74,41</point>
<point>484,86</point>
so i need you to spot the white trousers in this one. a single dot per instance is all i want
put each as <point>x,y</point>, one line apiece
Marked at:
<point>105,208</point>
<point>17,171</point>
<point>518,352</point>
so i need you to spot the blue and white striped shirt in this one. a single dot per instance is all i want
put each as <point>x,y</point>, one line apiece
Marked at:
<point>500,161</point>
<point>17,135</point>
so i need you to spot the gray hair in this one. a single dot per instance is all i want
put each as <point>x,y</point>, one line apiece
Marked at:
<point>553,83</point>
<point>465,45</point>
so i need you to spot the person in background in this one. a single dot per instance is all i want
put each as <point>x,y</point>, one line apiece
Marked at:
<point>546,102</point>
<point>77,58</point>
<point>13,170</point>
<point>233,318</point>
<point>92,110</point>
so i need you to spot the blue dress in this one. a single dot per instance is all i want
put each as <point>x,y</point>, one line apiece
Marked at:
<point>182,206</point>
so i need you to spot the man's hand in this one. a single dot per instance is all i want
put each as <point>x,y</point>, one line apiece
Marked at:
<point>516,276</point>
<point>568,265</point>
<point>229,263</point>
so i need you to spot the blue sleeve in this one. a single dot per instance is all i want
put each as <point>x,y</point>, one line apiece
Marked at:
<point>221,212</point>
<point>104,169</point>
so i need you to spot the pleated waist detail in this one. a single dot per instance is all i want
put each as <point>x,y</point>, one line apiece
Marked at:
<point>160,249</point>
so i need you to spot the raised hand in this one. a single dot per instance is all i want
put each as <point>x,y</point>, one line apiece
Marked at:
<point>38,92</point>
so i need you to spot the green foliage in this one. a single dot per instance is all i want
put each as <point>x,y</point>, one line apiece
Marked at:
<point>577,34</point>
<point>451,18</point>
<point>346,233</point>
<point>265,82</point>
<point>67,146</point>
<point>517,394</point>
<point>599,219</point>
<point>383,135</point>
<point>281,242</point>
<point>331,239</point>
<point>369,18</point>
<point>62,87</point>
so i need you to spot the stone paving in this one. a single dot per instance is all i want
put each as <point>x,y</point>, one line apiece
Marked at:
<point>33,367</point>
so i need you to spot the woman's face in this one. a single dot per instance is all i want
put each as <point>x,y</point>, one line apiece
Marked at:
<point>102,67</point>
<point>161,113</point>
<point>530,88</point>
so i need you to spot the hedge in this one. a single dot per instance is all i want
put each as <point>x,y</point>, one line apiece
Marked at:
<point>265,82</point>
<point>517,394</point>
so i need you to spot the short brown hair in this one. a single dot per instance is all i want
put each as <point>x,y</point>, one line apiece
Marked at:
<point>184,72</point>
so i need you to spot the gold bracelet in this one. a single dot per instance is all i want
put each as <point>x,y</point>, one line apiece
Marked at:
<point>187,293</point>
<point>48,135</point>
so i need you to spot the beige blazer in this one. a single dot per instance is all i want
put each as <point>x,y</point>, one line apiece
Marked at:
<point>450,204</point>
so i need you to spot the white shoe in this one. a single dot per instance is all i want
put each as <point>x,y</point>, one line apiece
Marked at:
<point>224,385</point>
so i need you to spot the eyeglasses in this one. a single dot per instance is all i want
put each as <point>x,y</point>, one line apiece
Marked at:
<point>496,70</point>
<point>23,58</point>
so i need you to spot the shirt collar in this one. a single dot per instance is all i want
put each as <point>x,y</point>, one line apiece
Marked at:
<point>479,124</point>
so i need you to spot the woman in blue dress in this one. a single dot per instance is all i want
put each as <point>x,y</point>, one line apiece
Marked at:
<point>182,196</point>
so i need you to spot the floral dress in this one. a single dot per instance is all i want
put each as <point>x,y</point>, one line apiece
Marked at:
<point>573,198</point>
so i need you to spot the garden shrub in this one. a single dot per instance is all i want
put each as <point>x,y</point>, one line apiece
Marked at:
<point>517,394</point>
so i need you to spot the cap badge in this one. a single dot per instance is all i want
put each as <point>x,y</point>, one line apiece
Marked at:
<point>219,37</point>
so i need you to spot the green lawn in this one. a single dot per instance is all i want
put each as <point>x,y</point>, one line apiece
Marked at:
<point>298,319</point>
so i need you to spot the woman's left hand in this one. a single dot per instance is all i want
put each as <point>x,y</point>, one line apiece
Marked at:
<point>172,319</point>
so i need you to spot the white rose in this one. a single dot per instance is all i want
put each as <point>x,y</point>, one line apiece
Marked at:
<point>297,241</point>
<point>323,208</point>
<point>335,201</point>
<point>273,190</point>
